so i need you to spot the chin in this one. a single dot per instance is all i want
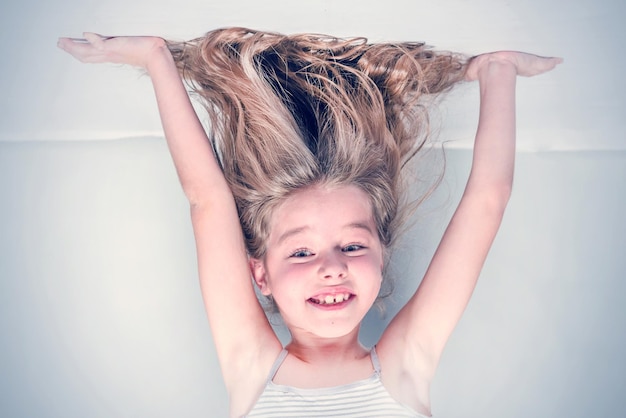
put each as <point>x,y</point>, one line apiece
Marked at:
<point>338,329</point>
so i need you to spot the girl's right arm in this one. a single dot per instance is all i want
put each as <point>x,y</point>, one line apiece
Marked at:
<point>414,341</point>
<point>245,342</point>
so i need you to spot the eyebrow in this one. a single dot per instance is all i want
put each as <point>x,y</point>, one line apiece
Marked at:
<point>360,225</point>
<point>290,233</point>
<point>295,231</point>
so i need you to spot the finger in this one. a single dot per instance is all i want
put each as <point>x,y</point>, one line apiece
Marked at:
<point>94,39</point>
<point>84,52</point>
<point>62,42</point>
<point>550,63</point>
<point>70,46</point>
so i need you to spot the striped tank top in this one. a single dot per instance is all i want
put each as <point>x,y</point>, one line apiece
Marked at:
<point>363,398</point>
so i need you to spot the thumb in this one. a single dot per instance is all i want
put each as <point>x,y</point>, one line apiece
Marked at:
<point>95,40</point>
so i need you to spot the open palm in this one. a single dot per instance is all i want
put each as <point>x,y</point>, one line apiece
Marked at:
<point>94,48</point>
<point>525,64</point>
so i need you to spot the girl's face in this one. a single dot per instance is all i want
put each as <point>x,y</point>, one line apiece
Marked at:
<point>324,260</point>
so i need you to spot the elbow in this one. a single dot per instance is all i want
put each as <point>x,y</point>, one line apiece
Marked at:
<point>206,193</point>
<point>220,202</point>
<point>502,193</point>
<point>493,197</point>
<point>195,199</point>
<point>496,198</point>
<point>495,187</point>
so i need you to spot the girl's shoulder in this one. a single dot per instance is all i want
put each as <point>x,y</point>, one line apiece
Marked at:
<point>251,383</point>
<point>406,374</point>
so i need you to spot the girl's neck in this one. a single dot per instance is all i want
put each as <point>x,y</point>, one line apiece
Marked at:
<point>316,350</point>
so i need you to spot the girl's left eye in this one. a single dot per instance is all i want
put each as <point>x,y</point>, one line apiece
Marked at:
<point>301,253</point>
<point>351,248</point>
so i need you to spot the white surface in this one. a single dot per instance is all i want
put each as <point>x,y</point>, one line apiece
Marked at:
<point>100,311</point>
<point>46,95</point>
<point>101,314</point>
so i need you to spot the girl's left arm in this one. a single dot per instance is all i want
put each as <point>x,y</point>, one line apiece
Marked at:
<point>418,334</point>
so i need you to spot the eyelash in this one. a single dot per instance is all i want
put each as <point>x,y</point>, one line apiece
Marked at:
<point>355,247</point>
<point>300,251</point>
<point>303,252</point>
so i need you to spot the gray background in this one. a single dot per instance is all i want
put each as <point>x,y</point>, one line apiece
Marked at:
<point>100,309</point>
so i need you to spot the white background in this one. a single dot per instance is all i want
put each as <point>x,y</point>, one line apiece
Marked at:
<point>100,311</point>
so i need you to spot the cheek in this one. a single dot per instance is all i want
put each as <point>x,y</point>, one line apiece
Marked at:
<point>372,265</point>
<point>286,279</point>
<point>288,272</point>
<point>370,274</point>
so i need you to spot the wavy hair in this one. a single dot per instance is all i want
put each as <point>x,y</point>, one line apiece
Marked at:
<point>291,112</point>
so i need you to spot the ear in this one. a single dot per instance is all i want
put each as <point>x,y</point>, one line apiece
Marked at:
<point>259,274</point>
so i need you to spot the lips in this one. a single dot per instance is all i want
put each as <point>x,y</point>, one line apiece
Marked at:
<point>331,299</point>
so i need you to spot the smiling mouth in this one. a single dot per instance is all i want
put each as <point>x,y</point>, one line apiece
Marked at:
<point>332,299</point>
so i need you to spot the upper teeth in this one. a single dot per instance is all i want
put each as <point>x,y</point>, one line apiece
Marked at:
<point>339,297</point>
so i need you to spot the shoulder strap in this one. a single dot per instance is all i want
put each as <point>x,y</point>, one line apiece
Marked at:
<point>279,360</point>
<point>375,361</point>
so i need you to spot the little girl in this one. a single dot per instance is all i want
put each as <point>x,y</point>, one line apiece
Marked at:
<point>298,185</point>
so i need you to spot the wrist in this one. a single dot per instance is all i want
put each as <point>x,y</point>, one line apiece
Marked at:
<point>497,67</point>
<point>158,55</point>
<point>483,65</point>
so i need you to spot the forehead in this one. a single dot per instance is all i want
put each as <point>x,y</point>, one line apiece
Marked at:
<point>323,208</point>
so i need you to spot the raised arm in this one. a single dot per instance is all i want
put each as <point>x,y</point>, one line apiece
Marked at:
<point>423,326</point>
<point>240,328</point>
<point>197,168</point>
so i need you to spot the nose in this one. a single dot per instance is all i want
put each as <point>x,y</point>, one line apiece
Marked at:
<point>333,266</point>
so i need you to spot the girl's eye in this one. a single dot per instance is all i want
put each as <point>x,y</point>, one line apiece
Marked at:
<point>351,248</point>
<point>301,253</point>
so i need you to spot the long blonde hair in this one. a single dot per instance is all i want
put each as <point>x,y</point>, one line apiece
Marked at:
<point>290,112</point>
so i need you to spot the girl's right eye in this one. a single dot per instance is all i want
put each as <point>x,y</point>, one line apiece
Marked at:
<point>301,253</point>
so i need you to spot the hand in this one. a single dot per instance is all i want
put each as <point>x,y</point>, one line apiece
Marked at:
<point>133,50</point>
<point>527,65</point>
